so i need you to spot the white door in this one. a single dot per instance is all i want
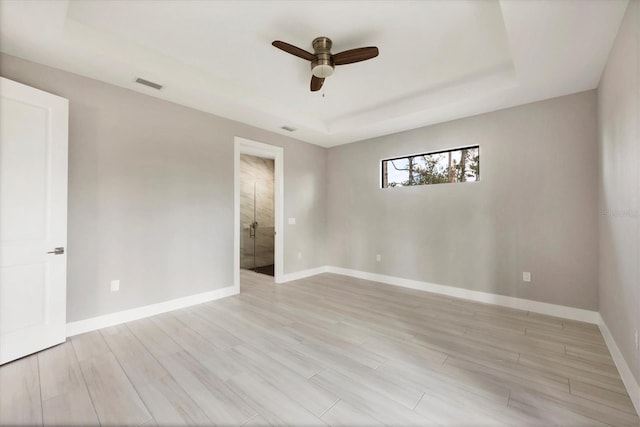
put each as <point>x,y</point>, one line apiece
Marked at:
<point>33,219</point>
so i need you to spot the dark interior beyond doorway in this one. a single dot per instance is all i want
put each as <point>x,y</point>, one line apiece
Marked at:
<point>267,269</point>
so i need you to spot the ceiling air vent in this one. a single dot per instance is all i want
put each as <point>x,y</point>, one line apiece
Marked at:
<point>288,128</point>
<point>148,83</point>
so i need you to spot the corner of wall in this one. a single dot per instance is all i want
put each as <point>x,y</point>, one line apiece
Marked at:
<point>630,383</point>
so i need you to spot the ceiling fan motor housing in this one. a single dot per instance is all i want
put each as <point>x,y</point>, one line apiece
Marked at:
<point>322,66</point>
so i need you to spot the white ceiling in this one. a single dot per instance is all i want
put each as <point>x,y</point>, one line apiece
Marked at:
<point>439,60</point>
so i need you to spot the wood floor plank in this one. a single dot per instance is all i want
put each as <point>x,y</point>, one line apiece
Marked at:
<point>325,350</point>
<point>217,362</point>
<point>89,345</point>
<point>297,310</point>
<point>65,398</point>
<point>394,388</point>
<point>520,322</point>
<point>140,366</point>
<point>333,354</point>
<point>114,397</point>
<point>272,404</point>
<point>254,315</point>
<point>216,336</point>
<point>170,404</point>
<point>257,421</point>
<point>338,332</point>
<point>619,401</point>
<point>212,395</point>
<point>446,381</point>
<point>311,397</point>
<point>20,401</point>
<point>512,374</point>
<point>589,353</point>
<point>460,409</point>
<point>596,346</point>
<point>59,370</point>
<point>155,340</point>
<point>266,315</point>
<point>344,415</point>
<point>405,352</point>
<point>245,327</point>
<point>71,408</point>
<point>465,345</point>
<point>170,337</point>
<point>573,408</point>
<point>575,370</point>
<point>370,401</point>
<point>515,341</point>
<point>302,364</point>
<point>163,397</point>
<point>550,414</point>
<point>569,324</point>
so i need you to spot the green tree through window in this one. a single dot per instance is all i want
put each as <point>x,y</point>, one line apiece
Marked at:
<point>456,165</point>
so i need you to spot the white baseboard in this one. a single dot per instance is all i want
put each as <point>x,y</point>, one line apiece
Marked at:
<point>302,274</point>
<point>485,297</point>
<point>631,384</point>
<point>111,319</point>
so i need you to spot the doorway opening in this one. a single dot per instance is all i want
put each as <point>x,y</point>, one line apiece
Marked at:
<point>258,236</point>
<point>257,219</point>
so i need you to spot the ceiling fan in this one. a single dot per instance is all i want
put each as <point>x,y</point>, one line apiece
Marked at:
<point>323,61</point>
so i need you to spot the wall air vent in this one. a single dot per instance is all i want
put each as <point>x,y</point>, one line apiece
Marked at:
<point>288,128</point>
<point>148,83</point>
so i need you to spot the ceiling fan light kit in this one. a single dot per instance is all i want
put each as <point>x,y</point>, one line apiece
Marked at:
<point>322,70</point>
<point>323,62</point>
<point>322,66</point>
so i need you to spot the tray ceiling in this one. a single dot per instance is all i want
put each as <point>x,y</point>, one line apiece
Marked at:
<point>439,60</point>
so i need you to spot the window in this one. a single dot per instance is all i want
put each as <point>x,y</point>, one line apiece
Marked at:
<point>457,165</point>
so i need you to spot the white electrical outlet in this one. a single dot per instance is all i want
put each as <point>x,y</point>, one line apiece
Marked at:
<point>292,221</point>
<point>299,255</point>
<point>526,276</point>
<point>378,257</point>
<point>115,285</point>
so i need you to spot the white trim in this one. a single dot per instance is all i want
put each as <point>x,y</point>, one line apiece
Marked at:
<point>485,297</point>
<point>630,383</point>
<point>254,148</point>
<point>93,323</point>
<point>303,273</point>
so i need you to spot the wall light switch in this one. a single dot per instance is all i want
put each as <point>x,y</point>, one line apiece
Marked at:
<point>292,221</point>
<point>115,285</point>
<point>526,276</point>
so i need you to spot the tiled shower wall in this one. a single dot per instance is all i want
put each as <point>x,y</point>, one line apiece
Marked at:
<point>256,204</point>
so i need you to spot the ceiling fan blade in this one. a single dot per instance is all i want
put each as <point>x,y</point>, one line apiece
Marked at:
<point>293,50</point>
<point>316,83</point>
<point>355,55</point>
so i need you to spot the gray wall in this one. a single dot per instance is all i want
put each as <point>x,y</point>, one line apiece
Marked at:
<point>151,194</point>
<point>151,200</point>
<point>619,145</point>
<point>534,209</point>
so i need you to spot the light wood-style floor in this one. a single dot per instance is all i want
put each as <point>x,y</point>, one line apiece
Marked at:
<point>324,350</point>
